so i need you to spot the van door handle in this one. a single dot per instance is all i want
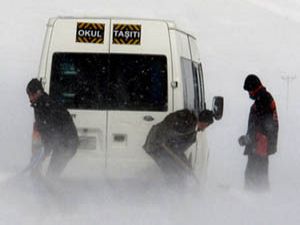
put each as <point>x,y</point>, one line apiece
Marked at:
<point>148,118</point>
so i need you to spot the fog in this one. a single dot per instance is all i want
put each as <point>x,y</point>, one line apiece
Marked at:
<point>235,38</point>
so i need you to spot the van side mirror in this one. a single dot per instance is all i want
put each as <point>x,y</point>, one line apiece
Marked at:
<point>217,107</point>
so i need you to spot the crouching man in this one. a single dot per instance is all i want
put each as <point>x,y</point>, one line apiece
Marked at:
<point>168,140</point>
<point>56,128</point>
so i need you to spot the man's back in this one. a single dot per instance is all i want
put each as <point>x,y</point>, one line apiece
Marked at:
<point>177,132</point>
<point>54,122</point>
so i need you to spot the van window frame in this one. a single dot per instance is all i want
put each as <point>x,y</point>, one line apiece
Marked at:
<point>155,96</point>
<point>192,81</point>
<point>199,71</point>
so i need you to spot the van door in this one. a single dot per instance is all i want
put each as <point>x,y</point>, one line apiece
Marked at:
<point>140,91</point>
<point>138,99</point>
<point>78,81</point>
<point>199,157</point>
<point>75,74</point>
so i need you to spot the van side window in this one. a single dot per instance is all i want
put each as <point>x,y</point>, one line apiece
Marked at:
<point>110,81</point>
<point>192,87</point>
<point>197,69</point>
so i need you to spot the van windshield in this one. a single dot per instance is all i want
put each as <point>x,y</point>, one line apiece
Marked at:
<point>110,81</point>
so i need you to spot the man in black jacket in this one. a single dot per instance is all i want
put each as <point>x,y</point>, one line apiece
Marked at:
<point>261,138</point>
<point>55,126</point>
<point>168,140</point>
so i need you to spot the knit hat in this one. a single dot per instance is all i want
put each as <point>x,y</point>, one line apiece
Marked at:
<point>251,82</point>
<point>34,85</point>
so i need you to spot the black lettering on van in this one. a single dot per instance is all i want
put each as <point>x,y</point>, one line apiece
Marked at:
<point>90,32</point>
<point>129,34</point>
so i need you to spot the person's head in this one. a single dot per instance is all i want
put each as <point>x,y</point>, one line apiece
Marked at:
<point>252,84</point>
<point>34,90</point>
<point>205,118</point>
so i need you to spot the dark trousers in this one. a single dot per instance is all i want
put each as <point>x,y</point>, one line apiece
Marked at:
<point>173,170</point>
<point>256,174</point>
<point>59,159</point>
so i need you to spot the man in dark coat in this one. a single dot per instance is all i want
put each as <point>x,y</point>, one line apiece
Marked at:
<point>55,126</point>
<point>261,138</point>
<point>168,140</point>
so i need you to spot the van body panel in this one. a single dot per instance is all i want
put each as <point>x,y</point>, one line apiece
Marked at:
<point>194,49</point>
<point>178,50</point>
<point>64,36</point>
<point>154,37</point>
<point>44,57</point>
<point>91,126</point>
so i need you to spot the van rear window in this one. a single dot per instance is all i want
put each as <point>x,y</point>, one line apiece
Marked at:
<point>110,81</point>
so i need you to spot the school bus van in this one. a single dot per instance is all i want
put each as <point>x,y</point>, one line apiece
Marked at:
<point>118,77</point>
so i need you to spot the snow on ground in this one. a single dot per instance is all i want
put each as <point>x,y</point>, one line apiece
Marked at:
<point>101,200</point>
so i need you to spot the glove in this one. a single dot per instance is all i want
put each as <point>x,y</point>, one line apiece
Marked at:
<point>244,140</point>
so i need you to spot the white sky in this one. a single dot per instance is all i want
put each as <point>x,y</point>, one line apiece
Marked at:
<point>235,38</point>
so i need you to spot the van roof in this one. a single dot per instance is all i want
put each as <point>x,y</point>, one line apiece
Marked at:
<point>171,24</point>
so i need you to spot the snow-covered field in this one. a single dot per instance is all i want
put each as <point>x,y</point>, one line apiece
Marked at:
<point>235,38</point>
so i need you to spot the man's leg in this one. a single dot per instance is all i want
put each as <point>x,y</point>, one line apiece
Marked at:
<point>174,173</point>
<point>248,173</point>
<point>262,174</point>
<point>59,160</point>
<point>256,174</point>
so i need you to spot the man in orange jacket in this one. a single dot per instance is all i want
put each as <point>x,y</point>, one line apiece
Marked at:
<point>261,138</point>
